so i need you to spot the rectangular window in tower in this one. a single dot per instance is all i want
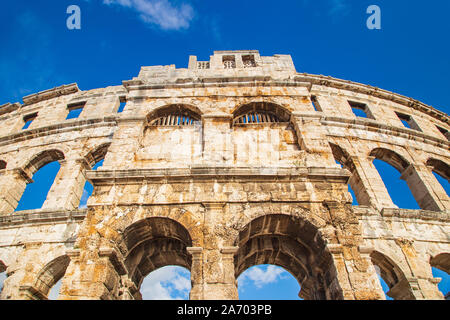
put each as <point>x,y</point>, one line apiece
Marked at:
<point>361,110</point>
<point>75,110</point>
<point>316,104</point>
<point>28,119</point>
<point>444,132</point>
<point>408,121</point>
<point>229,62</point>
<point>249,61</point>
<point>123,102</point>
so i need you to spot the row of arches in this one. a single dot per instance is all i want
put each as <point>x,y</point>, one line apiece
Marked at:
<point>47,162</point>
<point>41,170</point>
<point>281,240</point>
<point>408,194</point>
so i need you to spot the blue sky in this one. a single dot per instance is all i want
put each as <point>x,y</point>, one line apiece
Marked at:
<point>409,55</point>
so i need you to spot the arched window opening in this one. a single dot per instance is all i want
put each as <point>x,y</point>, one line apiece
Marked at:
<point>392,280</point>
<point>88,188</point>
<point>48,283</point>
<point>260,112</point>
<point>344,160</point>
<point>2,165</point>
<point>167,283</point>
<point>397,188</point>
<point>152,244</point>
<point>293,244</point>
<point>441,171</point>
<point>350,189</point>
<point>267,282</point>
<point>440,267</point>
<point>36,192</point>
<point>95,160</point>
<point>174,115</point>
<point>54,291</point>
<point>444,284</point>
<point>391,166</point>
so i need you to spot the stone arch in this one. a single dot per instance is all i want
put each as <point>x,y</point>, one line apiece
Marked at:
<point>2,164</point>
<point>259,112</point>
<point>441,262</point>
<point>408,173</point>
<point>294,244</point>
<point>41,159</point>
<point>399,287</point>
<point>174,114</point>
<point>393,158</point>
<point>440,167</point>
<point>50,275</point>
<point>97,154</point>
<point>355,181</point>
<point>153,243</point>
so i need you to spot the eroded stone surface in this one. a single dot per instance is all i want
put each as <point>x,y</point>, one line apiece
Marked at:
<point>218,167</point>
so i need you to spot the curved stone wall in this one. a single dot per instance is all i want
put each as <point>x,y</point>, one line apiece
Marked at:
<point>238,163</point>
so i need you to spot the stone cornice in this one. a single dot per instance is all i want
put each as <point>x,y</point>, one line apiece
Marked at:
<point>216,173</point>
<point>50,94</point>
<point>406,214</point>
<point>56,129</point>
<point>331,82</point>
<point>42,216</point>
<point>375,126</point>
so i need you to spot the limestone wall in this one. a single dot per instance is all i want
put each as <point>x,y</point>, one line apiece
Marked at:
<point>219,149</point>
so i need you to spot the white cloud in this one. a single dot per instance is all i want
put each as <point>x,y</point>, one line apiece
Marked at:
<point>168,283</point>
<point>159,12</point>
<point>84,199</point>
<point>261,277</point>
<point>2,279</point>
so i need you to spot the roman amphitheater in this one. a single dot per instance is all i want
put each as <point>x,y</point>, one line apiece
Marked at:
<point>230,163</point>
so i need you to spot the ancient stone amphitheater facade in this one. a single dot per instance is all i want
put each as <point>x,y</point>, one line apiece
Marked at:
<point>227,164</point>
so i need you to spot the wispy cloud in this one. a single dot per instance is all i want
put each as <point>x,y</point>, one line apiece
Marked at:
<point>161,13</point>
<point>261,277</point>
<point>169,283</point>
<point>339,7</point>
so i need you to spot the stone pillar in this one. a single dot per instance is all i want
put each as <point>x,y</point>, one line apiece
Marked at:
<point>93,275</point>
<point>356,274</point>
<point>12,187</point>
<point>216,139</point>
<point>427,190</point>
<point>67,190</point>
<point>212,274</point>
<point>22,274</point>
<point>196,273</point>
<point>372,183</point>
<point>312,138</point>
<point>420,283</point>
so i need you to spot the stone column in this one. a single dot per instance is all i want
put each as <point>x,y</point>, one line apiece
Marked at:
<point>372,184</point>
<point>93,275</point>
<point>212,274</point>
<point>12,187</point>
<point>196,273</point>
<point>427,190</point>
<point>67,190</point>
